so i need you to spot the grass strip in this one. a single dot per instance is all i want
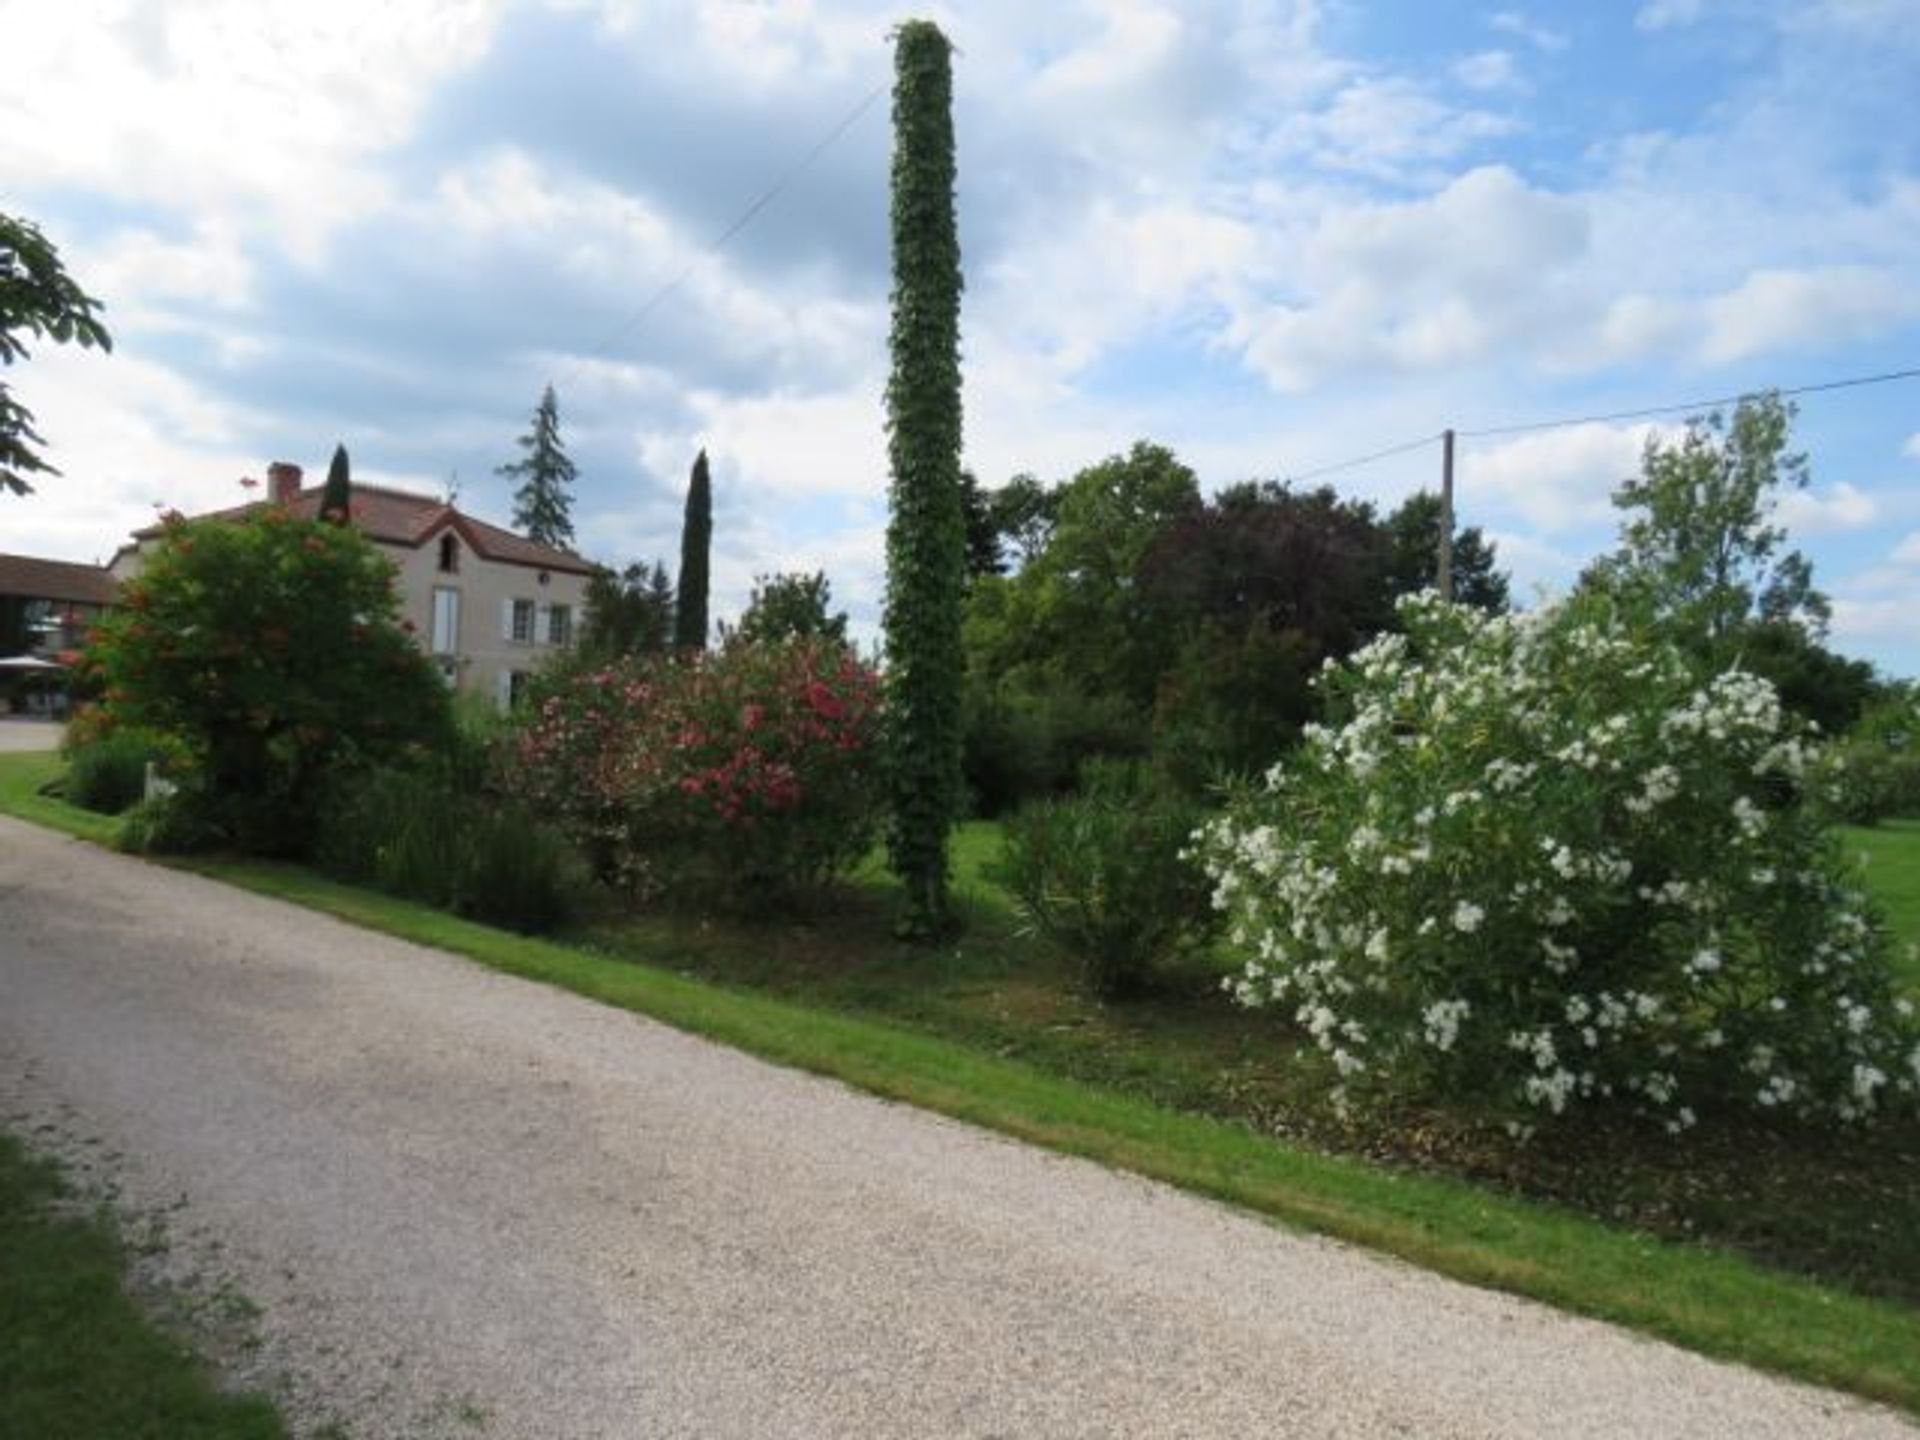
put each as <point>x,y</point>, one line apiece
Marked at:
<point>77,1358</point>
<point>1706,1300</point>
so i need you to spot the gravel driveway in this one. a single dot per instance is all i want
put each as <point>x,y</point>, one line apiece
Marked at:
<point>468,1204</point>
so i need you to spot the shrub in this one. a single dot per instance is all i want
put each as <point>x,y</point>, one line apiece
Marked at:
<point>172,824</point>
<point>1024,743</point>
<point>1103,875</point>
<point>1873,774</point>
<point>269,648</point>
<point>1545,864</point>
<point>110,774</point>
<point>419,834</point>
<point>742,777</point>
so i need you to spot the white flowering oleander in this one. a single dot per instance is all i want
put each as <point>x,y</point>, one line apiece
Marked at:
<point>1544,863</point>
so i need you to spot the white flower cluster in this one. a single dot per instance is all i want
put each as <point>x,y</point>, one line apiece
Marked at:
<point>1541,861</point>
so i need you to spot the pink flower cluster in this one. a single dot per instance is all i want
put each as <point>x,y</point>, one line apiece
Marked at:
<point>749,766</point>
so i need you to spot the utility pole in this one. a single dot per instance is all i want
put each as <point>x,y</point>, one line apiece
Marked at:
<point>1446,515</point>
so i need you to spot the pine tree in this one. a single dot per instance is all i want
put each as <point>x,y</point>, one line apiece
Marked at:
<point>696,541</point>
<point>336,501</point>
<point>926,531</point>
<point>543,505</point>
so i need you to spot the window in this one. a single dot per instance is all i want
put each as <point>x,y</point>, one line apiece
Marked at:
<point>516,688</point>
<point>446,621</point>
<point>523,621</point>
<point>449,555</point>
<point>560,625</point>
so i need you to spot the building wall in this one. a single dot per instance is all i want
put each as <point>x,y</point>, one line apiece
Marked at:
<point>485,655</point>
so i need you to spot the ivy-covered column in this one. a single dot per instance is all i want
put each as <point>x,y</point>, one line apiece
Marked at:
<point>926,532</point>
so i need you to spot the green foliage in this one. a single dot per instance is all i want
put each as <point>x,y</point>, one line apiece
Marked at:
<point>36,297</point>
<point>690,622</point>
<point>1873,773</point>
<point>1699,545</point>
<point>629,613</point>
<point>543,505</point>
<point>1413,560</point>
<point>420,834</point>
<point>269,649</point>
<point>336,500</point>
<point>1816,684</point>
<point>1022,514</point>
<point>790,606</point>
<point>109,775</point>
<point>1104,875</point>
<point>1233,702</point>
<point>1548,864</point>
<point>926,531</point>
<point>740,778</point>
<point>1079,603</point>
<point>983,535</point>
<point>1028,741</point>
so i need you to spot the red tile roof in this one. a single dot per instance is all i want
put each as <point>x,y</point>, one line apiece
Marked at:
<point>37,579</point>
<point>399,517</point>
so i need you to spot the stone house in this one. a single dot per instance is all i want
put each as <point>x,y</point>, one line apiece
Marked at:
<point>488,606</point>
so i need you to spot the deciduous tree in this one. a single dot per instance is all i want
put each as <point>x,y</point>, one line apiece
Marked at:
<point>37,298</point>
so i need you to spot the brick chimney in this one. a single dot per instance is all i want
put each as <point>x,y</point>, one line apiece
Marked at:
<point>283,482</point>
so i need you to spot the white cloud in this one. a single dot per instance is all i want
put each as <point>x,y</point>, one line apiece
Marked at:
<point>1668,14</point>
<point>1415,286</point>
<point>1907,552</point>
<point>128,437</point>
<point>1554,480</point>
<point>227,106</point>
<point>1912,448</point>
<point>1844,507</point>
<point>1778,309</point>
<point>1518,22</point>
<point>1387,128</point>
<point>1487,70</point>
<point>1535,567</point>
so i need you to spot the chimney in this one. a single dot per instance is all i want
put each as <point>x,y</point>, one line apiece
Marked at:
<point>283,482</point>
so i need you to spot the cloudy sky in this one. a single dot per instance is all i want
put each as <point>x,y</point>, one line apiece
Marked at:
<point>1271,235</point>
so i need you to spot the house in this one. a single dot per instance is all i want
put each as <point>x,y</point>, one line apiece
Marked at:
<point>489,606</point>
<point>47,605</point>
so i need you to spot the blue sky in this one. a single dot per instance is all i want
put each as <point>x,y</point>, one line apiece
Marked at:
<point>1272,236</point>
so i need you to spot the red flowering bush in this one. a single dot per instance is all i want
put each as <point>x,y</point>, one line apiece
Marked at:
<point>740,777</point>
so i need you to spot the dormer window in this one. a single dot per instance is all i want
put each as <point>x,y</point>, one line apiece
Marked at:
<point>449,555</point>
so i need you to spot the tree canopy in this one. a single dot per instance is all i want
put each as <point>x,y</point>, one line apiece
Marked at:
<point>628,613</point>
<point>1700,545</point>
<point>791,606</point>
<point>37,298</point>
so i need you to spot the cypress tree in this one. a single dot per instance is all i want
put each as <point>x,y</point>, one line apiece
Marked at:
<point>696,540</point>
<point>336,501</point>
<point>542,506</point>
<point>926,529</point>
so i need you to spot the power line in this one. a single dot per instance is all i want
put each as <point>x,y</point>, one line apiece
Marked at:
<point>1646,412</point>
<point>739,223</point>
<point>1691,405</point>
<point>1358,461</point>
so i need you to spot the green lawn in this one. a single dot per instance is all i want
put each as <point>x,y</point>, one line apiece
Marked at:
<point>1793,1251</point>
<point>1891,853</point>
<point>78,1361</point>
